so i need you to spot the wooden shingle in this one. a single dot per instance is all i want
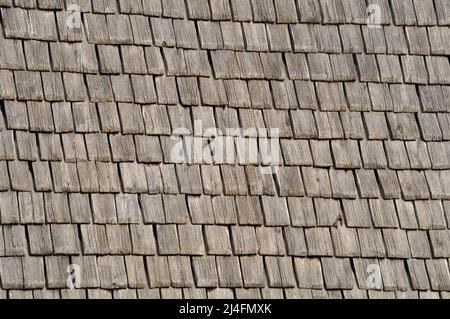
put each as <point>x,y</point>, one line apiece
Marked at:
<point>371,243</point>
<point>12,274</point>
<point>357,213</point>
<point>104,208</point>
<point>57,208</point>
<point>163,32</point>
<point>142,239</point>
<point>403,12</point>
<point>395,40</point>
<point>65,239</point>
<point>33,272</point>
<point>141,89</point>
<point>28,84</point>
<point>26,146</point>
<point>141,28</point>
<point>80,208</point>
<point>40,240</point>
<point>133,8</point>
<point>37,55</point>
<point>100,88</point>
<point>133,59</point>
<point>205,271</point>
<point>75,87</point>
<point>62,117</point>
<point>394,275</point>
<point>234,180</point>
<point>309,273</point>
<point>42,177</point>
<point>337,273</point>
<point>12,56</point>
<point>224,209</point>
<point>232,36</point>
<point>16,115</point>
<point>319,241</point>
<point>320,67</point>
<point>201,209</point>
<point>397,245</point>
<point>429,125</point>
<point>19,173</point>
<point>167,238</point>
<point>218,240</point>
<point>418,271</point>
<point>383,213</point>
<point>65,177</point>
<point>353,125</point>
<point>413,185</point>
<point>419,244</point>
<point>152,208</point>
<point>343,184</point>
<point>391,69</point>
<point>220,10</point>
<point>112,272</point>
<point>109,59</point>
<point>249,210</point>
<point>228,271</point>
<point>31,206</point>
<point>396,155</point>
<point>14,239</point>
<point>128,210</point>
<point>389,184</point>
<point>180,271</point>
<point>191,239</point>
<point>280,272</point>
<point>7,88</point>
<point>209,35</point>
<point>438,273</point>
<point>118,239</point>
<point>50,145</point>
<point>119,29</point>
<point>42,25</point>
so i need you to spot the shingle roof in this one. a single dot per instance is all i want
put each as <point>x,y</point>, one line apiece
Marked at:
<point>97,97</point>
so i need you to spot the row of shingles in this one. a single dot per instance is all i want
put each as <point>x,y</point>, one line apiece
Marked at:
<point>168,244</point>
<point>85,110</point>
<point>309,38</point>
<point>89,176</point>
<point>107,31</point>
<point>379,188</point>
<point>170,231</point>
<point>244,65</point>
<point>86,176</point>
<point>177,272</point>
<point>91,119</point>
<point>227,90</point>
<point>118,30</point>
<point>254,36</point>
<point>221,293</point>
<point>405,12</point>
<point>395,284</point>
